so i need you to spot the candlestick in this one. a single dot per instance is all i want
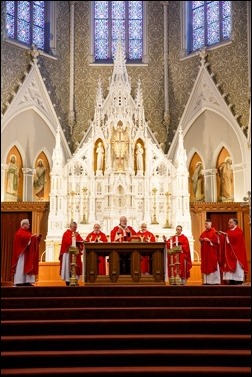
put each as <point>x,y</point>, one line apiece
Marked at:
<point>73,240</point>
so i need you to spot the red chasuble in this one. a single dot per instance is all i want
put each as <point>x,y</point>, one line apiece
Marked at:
<point>25,242</point>
<point>119,233</point>
<point>66,243</point>
<point>184,256</point>
<point>235,250</point>
<point>98,237</point>
<point>210,252</point>
<point>145,260</point>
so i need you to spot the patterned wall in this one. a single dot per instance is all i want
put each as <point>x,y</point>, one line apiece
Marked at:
<point>228,63</point>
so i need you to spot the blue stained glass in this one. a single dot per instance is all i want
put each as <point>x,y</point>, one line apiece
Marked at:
<point>196,4</point>
<point>118,10</point>
<point>101,28</point>
<point>10,26</point>
<point>135,49</point>
<point>198,18</point>
<point>207,26</point>
<point>226,8</point>
<point>101,9</point>
<point>118,28</point>
<point>124,20</point>
<point>213,13</point>
<point>114,45</point>
<point>213,33</point>
<point>199,39</point>
<point>24,10</point>
<point>135,29</point>
<point>10,7</point>
<point>135,10</point>
<point>226,28</point>
<point>101,46</point>
<point>38,37</point>
<point>38,16</point>
<point>26,26</point>
<point>39,3</point>
<point>23,31</point>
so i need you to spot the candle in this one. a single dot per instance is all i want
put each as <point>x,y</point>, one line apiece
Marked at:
<point>73,240</point>
<point>170,243</point>
<point>176,240</point>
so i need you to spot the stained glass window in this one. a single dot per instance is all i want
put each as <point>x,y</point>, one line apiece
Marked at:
<point>210,23</point>
<point>114,20</point>
<point>25,22</point>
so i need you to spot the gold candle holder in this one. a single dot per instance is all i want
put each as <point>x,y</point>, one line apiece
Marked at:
<point>73,251</point>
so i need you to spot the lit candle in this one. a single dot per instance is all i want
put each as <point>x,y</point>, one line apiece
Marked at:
<point>176,240</point>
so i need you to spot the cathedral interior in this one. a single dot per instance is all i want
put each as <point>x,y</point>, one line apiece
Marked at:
<point>161,137</point>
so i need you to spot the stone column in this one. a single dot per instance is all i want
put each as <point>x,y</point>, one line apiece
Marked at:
<point>28,184</point>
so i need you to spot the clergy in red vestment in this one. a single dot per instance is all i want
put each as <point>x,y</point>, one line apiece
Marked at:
<point>98,236</point>
<point>185,265</point>
<point>145,236</point>
<point>25,258</point>
<point>70,238</point>
<point>234,264</point>
<point>122,232</point>
<point>210,255</point>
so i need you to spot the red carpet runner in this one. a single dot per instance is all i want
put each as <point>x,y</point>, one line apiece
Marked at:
<point>126,331</point>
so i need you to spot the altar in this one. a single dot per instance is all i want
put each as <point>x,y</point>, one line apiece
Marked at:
<point>124,259</point>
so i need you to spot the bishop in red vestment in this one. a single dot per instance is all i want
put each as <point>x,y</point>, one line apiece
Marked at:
<point>234,261</point>
<point>185,263</point>
<point>145,236</point>
<point>25,258</point>
<point>70,238</point>
<point>98,236</point>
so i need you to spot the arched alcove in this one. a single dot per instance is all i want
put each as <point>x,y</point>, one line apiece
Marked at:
<point>196,179</point>
<point>41,179</point>
<point>225,177</point>
<point>14,176</point>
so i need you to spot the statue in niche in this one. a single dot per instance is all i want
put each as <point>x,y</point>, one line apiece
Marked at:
<point>198,182</point>
<point>139,157</point>
<point>12,177</point>
<point>100,156</point>
<point>225,172</point>
<point>120,143</point>
<point>40,180</point>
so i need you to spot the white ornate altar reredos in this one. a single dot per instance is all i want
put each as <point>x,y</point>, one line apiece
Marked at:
<point>118,169</point>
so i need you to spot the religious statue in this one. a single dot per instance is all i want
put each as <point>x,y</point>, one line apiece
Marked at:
<point>139,157</point>
<point>225,172</point>
<point>198,182</point>
<point>40,180</point>
<point>12,177</point>
<point>100,156</point>
<point>120,143</point>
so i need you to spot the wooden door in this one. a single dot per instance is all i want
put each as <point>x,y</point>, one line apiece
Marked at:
<point>10,223</point>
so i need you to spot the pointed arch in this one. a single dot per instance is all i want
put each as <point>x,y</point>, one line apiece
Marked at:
<point>14,176</point>
<point>196,179</point>
<point>41,178</point>
<point>225,177</point>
